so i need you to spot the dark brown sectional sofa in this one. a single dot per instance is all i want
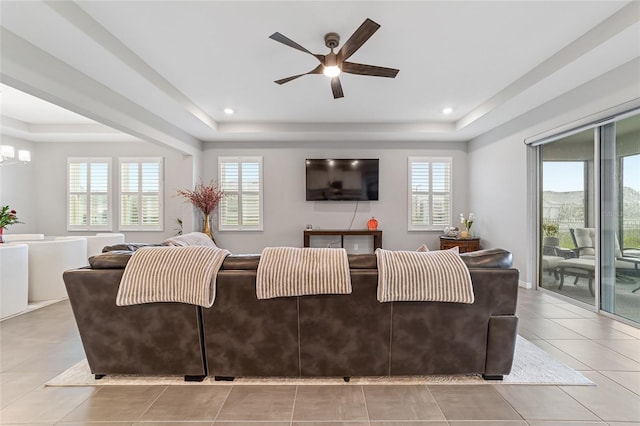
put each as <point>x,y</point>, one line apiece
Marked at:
<point>321,335</point>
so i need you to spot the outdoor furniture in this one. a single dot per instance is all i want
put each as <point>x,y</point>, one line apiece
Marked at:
<point>580,268</point>
<point>584,240</point>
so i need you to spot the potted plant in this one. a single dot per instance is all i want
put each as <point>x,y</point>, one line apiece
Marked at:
<point>8,217</point>
<point>551,231</point>
<point>206,198</point>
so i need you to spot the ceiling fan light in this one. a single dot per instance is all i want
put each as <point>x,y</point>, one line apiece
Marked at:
<point>331,71</point>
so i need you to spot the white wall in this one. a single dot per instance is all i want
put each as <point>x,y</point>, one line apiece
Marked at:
<point>286,212</point>
<point>40,193</point>
<point>18,189</point>
<point>498,165</point>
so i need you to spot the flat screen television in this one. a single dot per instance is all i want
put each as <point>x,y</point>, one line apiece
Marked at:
<point>331,179</point>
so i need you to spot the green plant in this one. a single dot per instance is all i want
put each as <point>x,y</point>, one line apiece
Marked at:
<point>179,228</point>
<point>8,217</point>
<point>550,229</point>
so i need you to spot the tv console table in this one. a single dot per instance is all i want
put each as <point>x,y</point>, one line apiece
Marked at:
<point>377,235</point>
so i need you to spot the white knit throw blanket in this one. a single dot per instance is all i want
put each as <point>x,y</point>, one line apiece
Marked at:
<point>291,271</point>
<point>190,239</point>
<point>439,276</point>
<point>171,274</point>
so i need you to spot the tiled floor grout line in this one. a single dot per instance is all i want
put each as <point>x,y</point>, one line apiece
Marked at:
<point>583,362</point>
<point>436,402</point>
<point>631,337</point>
<point>614,380</point>
<point>366,406</point>
<point>612,349</point>
<point>293,407</point>
<point>223,402</point>
<point>507,402</point>
<point>587,408</point>
<point>151,404</point>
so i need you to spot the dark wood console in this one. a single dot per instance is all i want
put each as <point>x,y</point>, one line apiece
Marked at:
<point>465,245</point>
<point>377,235</point>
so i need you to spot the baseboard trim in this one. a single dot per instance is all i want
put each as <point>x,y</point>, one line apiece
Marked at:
<point>525,284</point>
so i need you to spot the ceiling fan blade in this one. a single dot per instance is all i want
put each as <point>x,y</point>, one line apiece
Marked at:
<point>357,39</point>
<point>363,69</point>
<point>287,41</point>
<point>336,88</point>
<point>316,70</point>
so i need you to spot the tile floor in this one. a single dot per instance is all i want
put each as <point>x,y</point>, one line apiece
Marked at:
<point>627,303</point>
<point>39,345</point>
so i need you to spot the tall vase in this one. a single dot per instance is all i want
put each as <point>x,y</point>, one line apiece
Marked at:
<point>207,227</point>
<point>1,239</point>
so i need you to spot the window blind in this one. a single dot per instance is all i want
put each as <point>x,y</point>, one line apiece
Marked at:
<point>141,189</point>
<point>241,180</point>
<point>89,194</point>
<point>429,192</point>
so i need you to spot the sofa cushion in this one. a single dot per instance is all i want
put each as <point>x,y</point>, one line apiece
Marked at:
<point>362,261</point>
<point>127,247</point>
<point>246,262</point>
<point>488,258</point>
<point>114,259</point>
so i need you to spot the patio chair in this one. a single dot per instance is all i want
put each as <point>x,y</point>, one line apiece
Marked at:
<point>625,261</point>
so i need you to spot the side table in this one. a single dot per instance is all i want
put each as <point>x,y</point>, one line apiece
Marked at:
<point>465,245</point>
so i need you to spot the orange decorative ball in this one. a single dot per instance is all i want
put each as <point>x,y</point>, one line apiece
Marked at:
<point>372,224</point>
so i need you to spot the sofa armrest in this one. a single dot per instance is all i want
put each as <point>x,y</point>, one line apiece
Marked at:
<point>501,342</point>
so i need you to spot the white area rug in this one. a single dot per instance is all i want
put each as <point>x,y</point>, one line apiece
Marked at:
<point>531,366</point>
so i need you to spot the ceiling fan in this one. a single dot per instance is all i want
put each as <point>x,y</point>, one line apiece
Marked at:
<point>333,64</point>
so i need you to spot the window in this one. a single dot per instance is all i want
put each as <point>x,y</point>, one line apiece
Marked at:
<point>89,194</point>
<point>429,193</point>
<point>241,180</point>
<point>141,189</point>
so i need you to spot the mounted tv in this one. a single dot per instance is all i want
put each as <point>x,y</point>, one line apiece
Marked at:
<point>331,179</point>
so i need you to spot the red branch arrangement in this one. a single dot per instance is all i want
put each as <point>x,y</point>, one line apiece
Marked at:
<point>204,197</point>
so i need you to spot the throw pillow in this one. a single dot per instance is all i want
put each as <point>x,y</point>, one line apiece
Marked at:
<point>422,248</point>
<point>190,239</point>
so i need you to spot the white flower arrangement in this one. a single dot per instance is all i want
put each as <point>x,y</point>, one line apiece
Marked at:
<point>467,222</point>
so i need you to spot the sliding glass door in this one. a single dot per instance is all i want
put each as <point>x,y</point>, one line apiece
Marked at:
<point>590,216</point>
<point>567,204</point>
<point>620,223</point>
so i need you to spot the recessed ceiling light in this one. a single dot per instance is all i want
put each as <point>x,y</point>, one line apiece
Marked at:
<point>447,110</point>
<point>229,111</point>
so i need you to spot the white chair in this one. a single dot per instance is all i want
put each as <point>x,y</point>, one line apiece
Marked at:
<point>95,243</point>
<point>14,279</point>
<point>48,259</point>
<point>9,238</point>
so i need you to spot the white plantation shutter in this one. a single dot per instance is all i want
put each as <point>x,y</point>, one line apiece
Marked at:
<point>241,180</point>
<point>88,194</point>
<point>141,189</point>
<point>429,193</point>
